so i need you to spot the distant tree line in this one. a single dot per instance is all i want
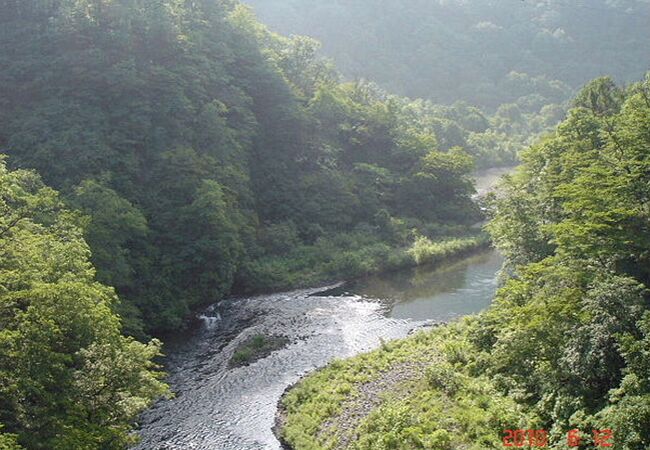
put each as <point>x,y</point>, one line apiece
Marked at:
<point>486,52</point>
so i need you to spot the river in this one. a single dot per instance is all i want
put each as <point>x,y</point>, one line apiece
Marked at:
<point>217,407</point>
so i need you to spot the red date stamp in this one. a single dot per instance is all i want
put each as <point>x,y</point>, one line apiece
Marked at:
<point>601,438</point>
<point>525,438</point>
<point>539,438</point>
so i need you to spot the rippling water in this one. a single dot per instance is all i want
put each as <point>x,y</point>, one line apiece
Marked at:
<point>222,408</point>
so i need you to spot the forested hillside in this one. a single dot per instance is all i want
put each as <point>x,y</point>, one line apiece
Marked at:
<point>487,52</point>
<point>210,155</point>
<point>564,346</point>
<point>575,227</point>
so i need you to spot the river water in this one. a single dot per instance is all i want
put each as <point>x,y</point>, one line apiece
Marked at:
<point>217,407</point>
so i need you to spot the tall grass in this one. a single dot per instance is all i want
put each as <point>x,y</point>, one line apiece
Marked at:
<point>426,251</point>
<point>347,256</point>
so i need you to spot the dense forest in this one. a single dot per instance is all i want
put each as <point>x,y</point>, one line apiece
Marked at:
<point>565,344</point>
<point>68,378</point>
<point>204,149</point>
<point>488,53</point>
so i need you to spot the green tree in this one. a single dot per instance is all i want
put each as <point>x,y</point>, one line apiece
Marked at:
<point>70,380</point>
<point>568,330</point>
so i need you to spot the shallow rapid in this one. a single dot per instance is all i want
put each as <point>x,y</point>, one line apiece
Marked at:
<point>222,408</point>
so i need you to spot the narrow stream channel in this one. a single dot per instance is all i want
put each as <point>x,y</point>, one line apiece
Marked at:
<point>221,408</point>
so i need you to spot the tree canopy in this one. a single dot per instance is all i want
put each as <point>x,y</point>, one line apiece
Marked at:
<point>570,327</point>
<point>68,378</point>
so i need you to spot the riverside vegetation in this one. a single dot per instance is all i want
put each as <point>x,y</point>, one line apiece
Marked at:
<point>565,344</point>
<point>165,154</point>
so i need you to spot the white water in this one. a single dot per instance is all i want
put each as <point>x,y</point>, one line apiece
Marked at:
<point>222,408</point>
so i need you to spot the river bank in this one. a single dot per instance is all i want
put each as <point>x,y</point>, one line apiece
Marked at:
<point>342,266</point>
<point>346,257</point>
<point>420,392</point>
<point>424,254</point>
<point>361,253</point>
<point>366,397</point>
<point>326,407</point>
<point>233,408</point>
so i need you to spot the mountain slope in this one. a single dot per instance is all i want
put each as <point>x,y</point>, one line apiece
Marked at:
<point>485,52</point>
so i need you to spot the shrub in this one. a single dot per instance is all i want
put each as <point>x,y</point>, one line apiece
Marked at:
<point>443,377</point>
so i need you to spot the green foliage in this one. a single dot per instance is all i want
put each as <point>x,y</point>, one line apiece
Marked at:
<point>574,225</point>
<point>69,379</point>
<point>114,230</point>
<point>440,175</point>
<point>439,407</point>
<point>206,151</point>
<point>425,251</point>
<point>444,378</point>
<point>346,256</point>
<point>8,441</point>
<point>114,224</point>
<point>629,409</point>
